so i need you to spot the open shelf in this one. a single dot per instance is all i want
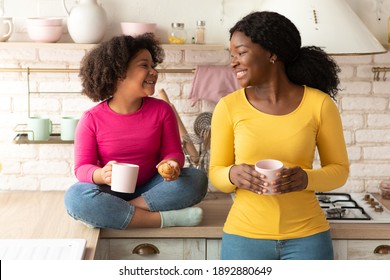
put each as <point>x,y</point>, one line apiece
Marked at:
<point>55,138</point>
<point>22,136</point>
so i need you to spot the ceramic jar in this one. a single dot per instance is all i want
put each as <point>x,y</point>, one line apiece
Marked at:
<point>87,22</point>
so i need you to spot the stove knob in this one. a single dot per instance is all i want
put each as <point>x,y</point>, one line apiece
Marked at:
<point>370,200</point>
<point>366,197</point>
<point>374,204</point>
<point>378,208</point>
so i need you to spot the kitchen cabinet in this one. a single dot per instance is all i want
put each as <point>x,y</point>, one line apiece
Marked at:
<point>361,249</point>
<point>159,249</point>
<point>152,249</point>
<point>40,215</point>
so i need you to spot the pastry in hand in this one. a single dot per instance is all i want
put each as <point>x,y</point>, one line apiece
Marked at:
<point>167,171</point>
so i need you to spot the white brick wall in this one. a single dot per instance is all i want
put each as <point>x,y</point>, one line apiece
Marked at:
<point>364,105</point>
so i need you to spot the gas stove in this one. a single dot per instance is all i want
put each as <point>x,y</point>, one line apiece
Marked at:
<point>352,208</point>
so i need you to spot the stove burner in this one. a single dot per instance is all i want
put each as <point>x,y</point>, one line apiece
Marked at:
<point>335,213</point>
<point>324,198</point>
<point>341,206</point>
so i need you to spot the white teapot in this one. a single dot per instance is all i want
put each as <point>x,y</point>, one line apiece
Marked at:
<point>87,22</point>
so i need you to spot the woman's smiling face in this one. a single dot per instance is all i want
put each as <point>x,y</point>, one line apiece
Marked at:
<point>249,60</point>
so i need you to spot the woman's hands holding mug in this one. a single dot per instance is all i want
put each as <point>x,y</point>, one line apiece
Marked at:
<point>288,179</point>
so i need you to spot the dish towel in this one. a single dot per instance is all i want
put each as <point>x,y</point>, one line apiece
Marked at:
<point>211,82</point>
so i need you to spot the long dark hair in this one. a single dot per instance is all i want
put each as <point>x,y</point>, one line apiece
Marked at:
<point>309,65</point>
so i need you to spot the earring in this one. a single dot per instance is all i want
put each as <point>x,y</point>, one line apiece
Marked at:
<point>273,61</point>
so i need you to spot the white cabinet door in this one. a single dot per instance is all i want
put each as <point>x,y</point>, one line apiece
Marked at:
<point>362,249</point>
<point>213,249</point>
<point>152,249</point>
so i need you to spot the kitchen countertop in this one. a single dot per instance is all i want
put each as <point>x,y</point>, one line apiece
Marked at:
<point>41,215</point>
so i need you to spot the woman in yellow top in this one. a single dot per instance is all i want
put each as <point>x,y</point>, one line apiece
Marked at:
<point>284,111</point>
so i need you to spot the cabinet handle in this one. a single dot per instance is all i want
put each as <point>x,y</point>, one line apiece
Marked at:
<point>146,249</point>
<point>382,250</point>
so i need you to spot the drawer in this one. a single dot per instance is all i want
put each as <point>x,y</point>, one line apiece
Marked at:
<point>151,249</point>
<point>362,249</point>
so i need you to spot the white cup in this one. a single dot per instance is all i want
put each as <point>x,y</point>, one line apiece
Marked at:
<point>6,28</point>
<point>68,128</point>
<point>269,168</point>
<point>124,177</point>
<point>39,128</point>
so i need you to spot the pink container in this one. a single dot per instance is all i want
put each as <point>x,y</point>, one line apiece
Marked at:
<point>137,28</point>
<point>44,34</point>
<point>44,30</point>
<point>44,21</point>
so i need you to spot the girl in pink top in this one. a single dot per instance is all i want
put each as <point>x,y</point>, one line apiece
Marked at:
<point>130,126</point>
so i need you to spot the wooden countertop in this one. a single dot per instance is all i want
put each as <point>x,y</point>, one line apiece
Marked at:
<point>216,207</point>
<point>41,215</point>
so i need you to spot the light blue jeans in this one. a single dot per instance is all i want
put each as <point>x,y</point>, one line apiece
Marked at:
<point>315,247</point>
<point>98,206</point>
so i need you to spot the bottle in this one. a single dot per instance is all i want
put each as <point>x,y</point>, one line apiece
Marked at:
<point>178,35</point>
<point>388,30</point>
<point>200,32</point>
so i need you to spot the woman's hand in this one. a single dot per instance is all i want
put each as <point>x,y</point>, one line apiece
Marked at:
<point>169,169</point>
<point>103,175</point>
<point>246,177</point>
<point>292,180</point>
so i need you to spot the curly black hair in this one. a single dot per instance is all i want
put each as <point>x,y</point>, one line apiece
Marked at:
<point>106,64</point>
<point>308,65</point>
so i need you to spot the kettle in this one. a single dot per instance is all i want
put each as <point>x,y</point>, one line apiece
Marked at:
<point>87,21</point>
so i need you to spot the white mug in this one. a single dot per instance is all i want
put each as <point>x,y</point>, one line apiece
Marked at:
<point>124,177</point>
<point>269,168</point>
<point>6,28</point>
<point>68,128</point>
<point>39,128</point>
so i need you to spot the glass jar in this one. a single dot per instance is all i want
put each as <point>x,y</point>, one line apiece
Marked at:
<point>178,35</point>
<point>384,188</point>
<point>200,32</point>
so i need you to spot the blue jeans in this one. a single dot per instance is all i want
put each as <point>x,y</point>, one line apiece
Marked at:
<point>315,247</point>
<point>99,206</point>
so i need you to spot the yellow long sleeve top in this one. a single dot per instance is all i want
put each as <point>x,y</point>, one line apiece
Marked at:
<point>242,134</point>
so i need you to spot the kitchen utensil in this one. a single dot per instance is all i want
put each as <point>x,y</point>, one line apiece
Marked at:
<point>6,28</point>
<point>188,145</point>
<point>87,21</point>
<point>124,177</point>
<point>68,128</point>
<point>269,168</point>
<point>137,28</point>
<point>202,128</point>
<point>39,128</point>
<point>44,30</point>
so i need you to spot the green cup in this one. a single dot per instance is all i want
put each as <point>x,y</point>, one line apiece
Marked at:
<point>68,128</point>
<point>39,128</point>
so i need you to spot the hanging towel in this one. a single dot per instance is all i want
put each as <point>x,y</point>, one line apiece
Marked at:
<point>211,82</point>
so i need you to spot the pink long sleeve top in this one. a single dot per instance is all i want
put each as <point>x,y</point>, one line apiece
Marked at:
<point>145,138</point>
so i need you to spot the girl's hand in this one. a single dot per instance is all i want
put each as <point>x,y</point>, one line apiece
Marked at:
<point>169,169</point>
<point>106,173</point>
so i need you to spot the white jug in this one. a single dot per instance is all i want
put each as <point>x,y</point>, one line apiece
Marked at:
<point>87,22</point>
<point>6,28</point>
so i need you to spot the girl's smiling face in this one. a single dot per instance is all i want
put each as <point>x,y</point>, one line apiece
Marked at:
<point>141,76</point>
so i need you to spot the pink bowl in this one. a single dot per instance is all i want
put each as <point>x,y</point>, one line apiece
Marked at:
<point>137,28</point>
<point>44,21</point>
<point>44,34</point>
